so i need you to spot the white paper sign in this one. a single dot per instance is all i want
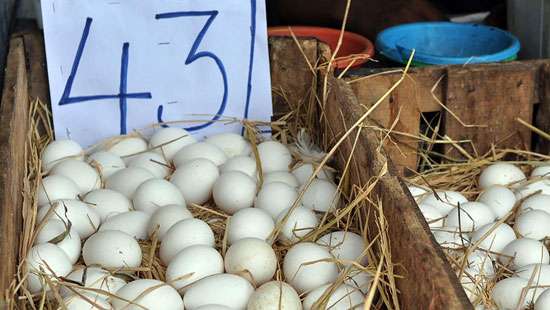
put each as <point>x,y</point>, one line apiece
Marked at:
<point>119,65</point>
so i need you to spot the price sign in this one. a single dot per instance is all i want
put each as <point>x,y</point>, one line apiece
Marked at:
<point>119,65</point>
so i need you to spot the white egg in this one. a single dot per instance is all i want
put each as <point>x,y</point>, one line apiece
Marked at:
<point>533,224</point>
<point>56,232</point>
<point>541,171</point>
<point>470,216</point>
<point>45,260</point>
<point>274,295</point>
<point>433,215</point>
<point>85,301</point>
<point>195,179</point>
<point>543,301</point>
<point>508,293</point>
<point>125,146</point>
<point>127,180</point>
<point>106,163</point>
<point>152,162</point>
<point>536,202</point>
<point>480,263</point>
<point>81,216</point>
<point>185,234</point>
<point>166,217</point>
<point>523,252</point>
<point>321,195</point>
<point>539,273</point>
<point>252,259</point>
<point>200,150</point>
<point>106,202</point>
<point>155,193</point>
<point>58,151</point>
<point>234,191</point>
<point>220,289</point>
<point>168,141</point>
<point>83,175</point>
<point>112,249</point>
<point>445,201</point>
<point>500,174</point>
<point>56,187</point>
<point>147,294</point>
<point>418,192</point>
<point>304,171</point>
<point>451,238</point>
<point>346,246</point>
<point>244,164</point>
<point>281,176</point>
<point>299,223</point>
<point>535,187</point>
<point>249,223</point>
<point>499,198</point>
<point>213,307</point>
<point>231,144</point>
<point>95,278</point>
<point>192,264</point>
<point>472,285</point>
<point>275,198</point>
<point>495,241</point>
<point>359,279</point>
<point>274,156</point>
<point>343,297</point>
<point>307,266</point>
<point>134,223</point>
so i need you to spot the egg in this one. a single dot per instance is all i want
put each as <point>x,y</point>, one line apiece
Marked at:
<point>321,195</point>
<point>56,232</point>
<point>82,217</point>
<point>155,193</point>
<point>539,273</point>
<point>346,246</point>
<point>152,162</point>
<point>85,302</point>
<point>249,223</point>
<point>243,164</point>
<point>358,278</point>
<point>543,301</point>
<point>274,295</point>
<point>282,177</point>
<point>495,241</point>
<point>220,289</point>
<point>433,216</point>
<point>127,180</point>
<point>231,144</point>
<point>213,307</point>
<point>200,150</point>
<point>307,266</point>
<point>192,264</point>
<point>418,192</point>
<point>508,293</point>
<point>134,223</point>
<point>297,225</point>
<point>472,285</point>
<point>523,252</point>
<point>165,217</point>
<point>83,175</point>
<point>445,201</point>
<point>470,216</point>
<point>274,156</point>
<point>233,191</point>
<point>275,198</point>
<point>147,294</point>
<point>536,202</point>
<point>343,297</point>
<point>451,238</point>
<point>169,140</point>
<point>45,260</point>
<point>106,202</point>
<point>534,187</point>
<point>56,187</point>
<point>106,163</point>
<point>125,146</point>
<point>500,174</point>
<point>94,278</point>
<point>185,234</point>
<point>112,249</point>
<point>533,224</point>
<point>195,179</point>
<point>252,259</point>
<point>480,263</point>
<point>58,151</point>
<point>304,171</point>
<point>541,171</point>
<point>499,198</point>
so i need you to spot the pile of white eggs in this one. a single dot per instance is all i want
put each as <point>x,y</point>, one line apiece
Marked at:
<point>94,209</point>
<point>501,236</point>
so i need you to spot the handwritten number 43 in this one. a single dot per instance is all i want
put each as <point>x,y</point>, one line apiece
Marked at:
<point>123,95</point>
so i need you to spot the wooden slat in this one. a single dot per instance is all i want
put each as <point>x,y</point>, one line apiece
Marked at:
<point>542,119</point>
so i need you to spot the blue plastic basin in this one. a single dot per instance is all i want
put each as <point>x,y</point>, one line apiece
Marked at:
<point>445,43</point>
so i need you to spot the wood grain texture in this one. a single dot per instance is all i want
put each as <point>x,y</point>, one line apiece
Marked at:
<point>542,119</point>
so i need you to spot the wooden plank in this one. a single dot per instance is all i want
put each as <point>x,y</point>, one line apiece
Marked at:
<point>542,119</point>
<point>493,97</point>
<point>14,120</point>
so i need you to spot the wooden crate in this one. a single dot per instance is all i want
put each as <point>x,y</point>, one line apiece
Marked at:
<point>426,281</point>
<point>490,95</point>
